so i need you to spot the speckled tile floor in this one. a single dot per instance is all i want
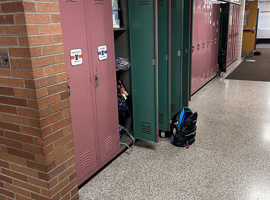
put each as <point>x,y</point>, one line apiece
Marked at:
<point>229,160</point>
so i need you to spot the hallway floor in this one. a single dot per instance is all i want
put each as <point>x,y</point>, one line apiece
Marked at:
<point>229,160</point>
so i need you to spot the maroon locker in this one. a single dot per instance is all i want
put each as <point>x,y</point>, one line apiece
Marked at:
<point>81,90</point>
<point>100,32</point>
<point>89,54</point>
<point>229,40</point>
<point>204,57</point>
<point>196,45</point>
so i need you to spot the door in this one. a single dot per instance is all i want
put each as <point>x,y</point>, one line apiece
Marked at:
<point>187,43</point>
<point>176,55</point>
<point>164,65</point>
<point>144,70</point>
<point>250,25</point>
<point>81,92</point>
<point>101,45</point>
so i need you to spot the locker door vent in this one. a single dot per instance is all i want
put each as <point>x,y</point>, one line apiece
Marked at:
<point>172,108</point>
<point>161,3</point>
<point>173,2</point>
<point>99,1</point>
<point>86,160</point>
<point>161,118</point>
<point>146,128</point>
<point>108,143</point>
<point>143,2</point>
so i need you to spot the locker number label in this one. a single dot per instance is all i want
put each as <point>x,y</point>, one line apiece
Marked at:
<point>76,57</point>
<point>102,52</point>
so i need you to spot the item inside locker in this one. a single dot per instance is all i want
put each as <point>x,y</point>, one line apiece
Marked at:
<point>122,63</point>
<point>122,92</point>
<point>123,110</point>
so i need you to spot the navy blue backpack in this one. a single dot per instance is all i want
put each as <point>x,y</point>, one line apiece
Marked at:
<point>184,128</point>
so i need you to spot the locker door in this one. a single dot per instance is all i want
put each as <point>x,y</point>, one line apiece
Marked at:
<point>197,35</point>
<point>176,55</point>
<point>163,65</point>
<point>223,35</point>
<point>100,30</point>
<point>187,41</point>
<point>81,94</point>
<point>144,68</point>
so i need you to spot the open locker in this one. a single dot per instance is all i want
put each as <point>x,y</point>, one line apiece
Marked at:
<point>144,69</point>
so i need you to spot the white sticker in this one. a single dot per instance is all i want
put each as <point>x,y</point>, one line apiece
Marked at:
<point>102,52</point>
<point>76,57</point>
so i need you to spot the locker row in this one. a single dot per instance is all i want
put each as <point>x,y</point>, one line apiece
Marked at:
<point>154,36</point>
<point>233,34</point>
<point>229,35</point>
<point>205,42</point>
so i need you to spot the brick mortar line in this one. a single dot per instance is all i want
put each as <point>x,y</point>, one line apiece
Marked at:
<point>43,137</point>
<point>36,57</point>
<point>22,180</point>
<point>47,173</point>
<point>29,24</point>
<point>34,89</point>
<point>35,99</point>
<point>51,115</point>
<point>29,35</point>
<point>21,133</point>
<point>27,191</point>
<point>21,172</point>
<point>23,143</point>
<point>64,170</point>
<point>73,189</point>
<point>69,192</point>
<point>52,197</point>
<point>19,36</point>
<point>38,118</point>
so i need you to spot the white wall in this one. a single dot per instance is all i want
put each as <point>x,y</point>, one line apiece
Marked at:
<point>264,20</point>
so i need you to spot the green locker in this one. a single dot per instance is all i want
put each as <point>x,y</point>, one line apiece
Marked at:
<point>164,87</point>
<point>144,68</point>
<point>176,55</point>
<point>180,54</point>
<point>187,52</point>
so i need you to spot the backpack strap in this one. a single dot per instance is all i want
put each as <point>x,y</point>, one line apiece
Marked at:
<point>181,118</point>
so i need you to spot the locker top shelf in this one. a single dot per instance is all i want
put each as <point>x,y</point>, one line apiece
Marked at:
<point>119,29</point>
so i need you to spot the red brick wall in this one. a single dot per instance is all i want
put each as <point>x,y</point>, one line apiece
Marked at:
<point>36,141</point>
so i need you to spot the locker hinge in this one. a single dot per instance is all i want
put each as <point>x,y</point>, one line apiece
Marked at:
<point>154,62</point>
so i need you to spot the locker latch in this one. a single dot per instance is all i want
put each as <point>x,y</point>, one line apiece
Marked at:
<point>167,57</point>
<point>179,52</point>
<point>154,62</point>
<point>96,81</point>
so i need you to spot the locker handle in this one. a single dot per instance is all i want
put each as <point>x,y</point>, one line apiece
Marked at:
<point>203,45</point>
<point>198,46</point>
<point>68,86</point>
<point>96,81</point>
